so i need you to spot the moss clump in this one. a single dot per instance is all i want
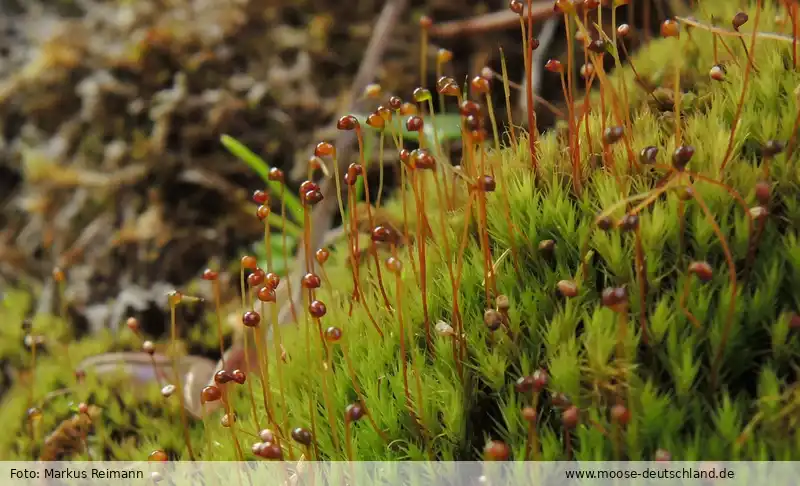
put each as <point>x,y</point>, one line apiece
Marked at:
<point>610,309</point>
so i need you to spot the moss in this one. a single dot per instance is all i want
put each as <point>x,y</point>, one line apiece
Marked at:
<point>714,379</point>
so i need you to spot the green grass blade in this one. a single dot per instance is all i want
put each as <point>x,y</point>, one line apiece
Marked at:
<point>262,169</point>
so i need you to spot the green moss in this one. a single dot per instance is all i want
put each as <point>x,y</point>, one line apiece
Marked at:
<point>725,389</point>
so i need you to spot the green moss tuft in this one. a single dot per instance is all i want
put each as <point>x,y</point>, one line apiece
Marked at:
<point>715,380</point>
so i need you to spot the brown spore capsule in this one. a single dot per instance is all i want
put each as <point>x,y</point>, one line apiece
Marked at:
<point>421,95</point>
<point>517,6</point>
<point>591,4</point>
<point>630,222</point>
<point>662,455</point>
<point>376,121</point>
<point>502,303</point>
<point>251,319</point>
<point>554,66</point>
<point>273,280</point>
<point>468,108</point>
<point>395,102</point>
<point>685,193</point>
<point>620,414</point>
<point>221,377</point>
<point>480,85</point>
<point>444,56</point>
<point>275,175</point>
<point>382,234</point>
<point>384,112</point>
<point>333,334</point>
<point>266,435</point>
<point>567,288</point>
<point>414,124</point>
<point>540,379</point>
<point>354,412</point>
<point>496,450</point>
<point>422,159</point>
<point>405,155</point>
<point>324,149</point>
<point>272,451</point>
<point>317,309</point>
<point>614,296</point>
<point>772,148</point>
<point>486,183</point>
<point>702,270</point>
<point>394,265</point>
<point>529,414</point>
<point>210,275</point>
<point>306,186</point>
<point>587,70</point>
<point>227,419</point>
<point>372,90</point>
<point>598,46</point>
<point>648,155</point>
<point>302,436</point>
<point>322,255</point>
<point>450,89</point>
<point>564,7</point>
<point>604,223</point>
<point>624,30</point>
<point>133,324</point>
<point>158,456</point>
<point>312,197</point>
<point>612,135</point>
<point>256,278</point>
<point>210,394</point>
<point>739,20</point>
<point>83,408</point>
<point>347,122</point>
<point>425,22</point>
<point>239,376</point>
<point>311,281</point>
<point>266,294</point>
<point>492,319</point>
<point>759,213</point>
<point>168,390</point>
<point>682,156</point>
<point>524,384</point>
<point>570,417</point>
<point>547,247</point>
<point>473,123</point>
<point>442,82</point>
<point>34,414</point>
<point>559,399</point>
<point>717,73</point>
<point>148,347</point>
<point>249,262</point>
<point>670,28</point>
<point>260,197</point>
<point>408,109</point>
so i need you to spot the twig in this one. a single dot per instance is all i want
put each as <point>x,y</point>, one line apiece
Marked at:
<point>732,33</point>
<point>504,19</point>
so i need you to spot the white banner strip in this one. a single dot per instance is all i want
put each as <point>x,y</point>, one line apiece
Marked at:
<point>401,473</point>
